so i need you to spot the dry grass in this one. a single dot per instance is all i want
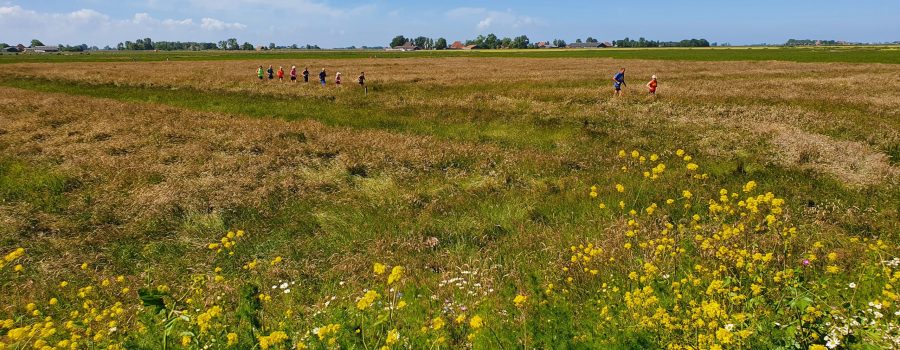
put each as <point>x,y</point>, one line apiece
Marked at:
<point>853,105</point>
<point>159,159</point>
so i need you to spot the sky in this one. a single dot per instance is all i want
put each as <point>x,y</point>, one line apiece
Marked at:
<point>374,22</point>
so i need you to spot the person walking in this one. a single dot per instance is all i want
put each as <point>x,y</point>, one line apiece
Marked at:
<point>306,74</point>
<point>362,82</point>
<point>322,76</point>
<point>271,72</point>
<point>259,73</point>
<point>618,82</point>
<point>281,74</point>
<point>293,74</point>
<point>337,79</point>
<point>651,86</point>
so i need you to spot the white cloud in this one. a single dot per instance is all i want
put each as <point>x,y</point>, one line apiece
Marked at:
<point>485,19</point>
<point>90,26</point>
<point>214,24</point>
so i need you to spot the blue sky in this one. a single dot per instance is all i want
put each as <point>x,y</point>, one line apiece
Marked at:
<point>375,22</point>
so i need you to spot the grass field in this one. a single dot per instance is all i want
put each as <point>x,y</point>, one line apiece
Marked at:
<point>471,200</point>
<point>856,54</point>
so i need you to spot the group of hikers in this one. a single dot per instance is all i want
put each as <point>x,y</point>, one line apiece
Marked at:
<point>272,74</point>
<point>619,81</point>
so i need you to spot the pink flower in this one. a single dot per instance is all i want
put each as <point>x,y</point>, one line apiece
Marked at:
<point>805,262</point>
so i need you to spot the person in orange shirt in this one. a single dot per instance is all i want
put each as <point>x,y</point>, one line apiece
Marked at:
<point>651,86</point>
<point>281,74</point>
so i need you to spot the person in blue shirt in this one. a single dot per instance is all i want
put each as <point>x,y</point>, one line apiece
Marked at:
<point>322,76</point>
<point>619,81</point>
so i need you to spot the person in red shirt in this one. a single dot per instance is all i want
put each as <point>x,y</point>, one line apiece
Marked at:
<point>281,74</point>
<point>651,86</point>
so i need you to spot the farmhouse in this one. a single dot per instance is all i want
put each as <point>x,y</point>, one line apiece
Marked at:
<point>10,49</point>
<point>457,45</point>
<point>545,45</point>
<point>408,46</point>
<point>40,49</point>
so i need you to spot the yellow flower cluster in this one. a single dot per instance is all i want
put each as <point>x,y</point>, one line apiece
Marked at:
<point>273,339</point>
<point>327,330</point>
<point>396,274</point>
<point>205,319</point>
<point>227,242</point>
<point>520,300</point>
<point>367,300</point>
<point>15,254</point>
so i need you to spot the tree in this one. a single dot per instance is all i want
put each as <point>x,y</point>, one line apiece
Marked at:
<point>233,44</point>
<point>247,46</point>
<point>271,46</point>
<point>491,41</point>
<point>506,42</point>
<point>420,41</point>
<point>591,40</point>
<point>479,42</point>
<point>148,44</point>
<point>559,43</point>
<point>398,41</point>
<point>578,41</point>
<point>520,42</point>
<point>3,45</point>
<point>120,46</point>
<point>440,44</point>
<point>36,42</point>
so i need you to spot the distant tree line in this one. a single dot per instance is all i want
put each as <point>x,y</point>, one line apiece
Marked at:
<point>227,44</point>
<point>641,42</point>
<point>62,47</point>
<point>808,42</point>
<point>490,41</point>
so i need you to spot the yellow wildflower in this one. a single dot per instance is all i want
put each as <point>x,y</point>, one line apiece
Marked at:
<point>367,300</point>
<point>476,322</point>
<point>277,260</point>
<point>460,319</point>
<point>273,338</point>
<point>520,300</point>
<point>393,337</point>
<point>379,268</point>
<point>437,323</point>
<point>396,274</point>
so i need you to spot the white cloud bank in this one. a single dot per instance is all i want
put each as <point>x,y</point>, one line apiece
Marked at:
<point>487,20</point>
<point>20,25</point>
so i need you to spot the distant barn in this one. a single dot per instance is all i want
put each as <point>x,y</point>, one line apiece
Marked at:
<point>587,45</point>
<point>41,49</point>
<point>408,46</point>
